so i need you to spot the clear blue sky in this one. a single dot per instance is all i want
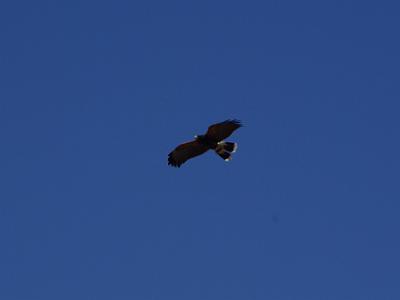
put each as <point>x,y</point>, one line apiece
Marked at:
<point>93,96</point>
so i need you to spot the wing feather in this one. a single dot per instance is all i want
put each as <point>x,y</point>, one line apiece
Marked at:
<point>221,131</point>
<point>186,151</point>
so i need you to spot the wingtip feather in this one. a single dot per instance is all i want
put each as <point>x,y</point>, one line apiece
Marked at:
<point>235,121</point>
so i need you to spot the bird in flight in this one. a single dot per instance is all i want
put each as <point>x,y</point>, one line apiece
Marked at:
<point>212,140</point>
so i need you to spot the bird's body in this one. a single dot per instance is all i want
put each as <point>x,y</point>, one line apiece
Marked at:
<point>212,140</point>
<point>207,141</point>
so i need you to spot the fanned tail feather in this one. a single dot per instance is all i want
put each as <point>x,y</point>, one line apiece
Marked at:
<point>225,150</point>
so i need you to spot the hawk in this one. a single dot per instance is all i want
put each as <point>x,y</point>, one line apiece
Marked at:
<point>212,140</point>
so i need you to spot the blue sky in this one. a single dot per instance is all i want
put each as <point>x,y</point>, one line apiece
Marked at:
<point>95,94</point>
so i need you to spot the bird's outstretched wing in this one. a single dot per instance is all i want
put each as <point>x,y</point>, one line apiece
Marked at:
<point>221,131</point>
<point>186,151</point>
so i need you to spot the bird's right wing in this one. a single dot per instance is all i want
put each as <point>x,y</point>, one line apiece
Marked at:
<point>185,151</point>
<point>221,131</point>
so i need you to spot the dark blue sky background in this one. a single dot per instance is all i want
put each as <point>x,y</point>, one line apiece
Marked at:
<point>93,96</point>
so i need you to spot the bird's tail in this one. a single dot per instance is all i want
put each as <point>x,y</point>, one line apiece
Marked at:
<point>225,150</point>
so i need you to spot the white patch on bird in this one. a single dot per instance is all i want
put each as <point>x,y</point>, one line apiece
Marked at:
<point>235,147</point>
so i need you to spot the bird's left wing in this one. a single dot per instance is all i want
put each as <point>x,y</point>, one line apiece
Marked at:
<point>184,152</point>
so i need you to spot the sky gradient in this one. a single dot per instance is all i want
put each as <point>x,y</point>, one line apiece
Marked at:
<point>95,94</point>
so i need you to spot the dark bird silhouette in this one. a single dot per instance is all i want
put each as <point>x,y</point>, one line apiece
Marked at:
<point>212,140</point>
